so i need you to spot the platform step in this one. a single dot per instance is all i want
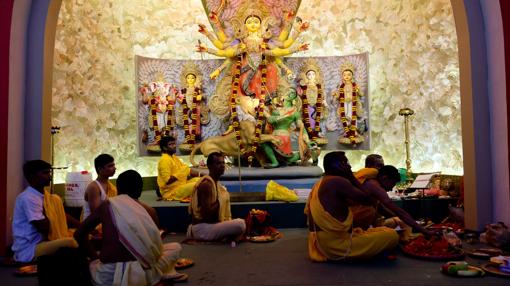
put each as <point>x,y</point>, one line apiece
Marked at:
<point>174,216</point>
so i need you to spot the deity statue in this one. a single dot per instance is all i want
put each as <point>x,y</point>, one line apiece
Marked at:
<point>192,111</point>
<point>159,98</point>
<point>253,52</point>
<point>314,104</point>
<point>350,106</point>
<point>284,117</point>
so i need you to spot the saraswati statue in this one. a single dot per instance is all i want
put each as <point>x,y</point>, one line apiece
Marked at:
<point>253,37</point>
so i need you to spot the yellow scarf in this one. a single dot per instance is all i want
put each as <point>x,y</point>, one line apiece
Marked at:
<point>54,210</point>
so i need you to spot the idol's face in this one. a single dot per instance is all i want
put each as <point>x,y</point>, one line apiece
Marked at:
<point>347,76</point>
<point>252,23</point>
<point>310,75</point>
<point>191,79</point>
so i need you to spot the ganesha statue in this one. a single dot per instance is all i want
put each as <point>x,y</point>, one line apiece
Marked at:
<point>159,98</point>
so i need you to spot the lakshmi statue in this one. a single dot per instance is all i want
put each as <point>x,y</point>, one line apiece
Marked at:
<point>253,53</point>
<point>314,104</point>
<point>159,97</point>
<point>192,111</point>
<point>349,96</point>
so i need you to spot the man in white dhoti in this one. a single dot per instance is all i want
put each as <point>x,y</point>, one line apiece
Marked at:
<point>132,251</point>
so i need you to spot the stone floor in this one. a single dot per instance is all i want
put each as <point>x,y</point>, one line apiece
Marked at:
<point>285,262</point>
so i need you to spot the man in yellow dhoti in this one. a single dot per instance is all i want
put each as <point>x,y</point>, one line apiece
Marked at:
<point>173,174</point>
<point>331,235</point>
<point>132,251</point>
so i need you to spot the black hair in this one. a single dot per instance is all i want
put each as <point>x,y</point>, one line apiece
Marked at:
<point>102,160</point>
<point>130,183</point>
<point>332,161</point>
<point>249,16</point>
<point>212,156</point>
<point>30,168</point>
<point>374,161</point>
<point>390,172</point>
<point>164,142</point>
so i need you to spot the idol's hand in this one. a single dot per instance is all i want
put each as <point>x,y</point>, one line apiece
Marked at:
<point>201,48</point>
<point>215,74</point>
<point>290,16</point>
<point>303,47</point>
<point>214,17</point>
<point>304,26</point>
<point>202,29</point>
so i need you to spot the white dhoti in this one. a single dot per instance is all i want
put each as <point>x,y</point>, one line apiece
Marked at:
<point>217,231</point>
<point>140,235</point>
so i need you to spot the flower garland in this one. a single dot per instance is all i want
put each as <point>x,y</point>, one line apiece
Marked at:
<point>318,114</point>
<point>260,110</point>
<point>233,111</point>
<point>154,118</point>
<point>349,130</point>
<point>190,134</point>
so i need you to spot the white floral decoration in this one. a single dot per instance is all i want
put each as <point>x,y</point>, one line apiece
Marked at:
<point>413,62</point>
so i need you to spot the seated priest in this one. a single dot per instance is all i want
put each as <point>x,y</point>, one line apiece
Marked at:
<point>40,225</point>
<point>175,179</point>
<point>378,187</point>
<point>210,206</point>
<point>364,216</point>
<point>132,252</point>
<point>330,220</point>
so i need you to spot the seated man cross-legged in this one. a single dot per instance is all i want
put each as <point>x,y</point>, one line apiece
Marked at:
<point>132,251</point>
<point>210,206</point>
<point>378,187</point>
<point>331,233</point>
<point>175,179</point>
<point>40,226</point>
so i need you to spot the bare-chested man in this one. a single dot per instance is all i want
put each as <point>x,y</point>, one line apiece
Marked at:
<point>100,189</point>
<point>132,248</point>
<point>331,235</point>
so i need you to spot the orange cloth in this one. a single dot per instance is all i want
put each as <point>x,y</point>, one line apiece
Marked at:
<point>366,173</point>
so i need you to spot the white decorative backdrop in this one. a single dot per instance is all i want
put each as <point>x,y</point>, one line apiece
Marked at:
<point>412,47</point>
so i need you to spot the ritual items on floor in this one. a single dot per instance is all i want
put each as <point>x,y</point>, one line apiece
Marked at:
<point>484,253</point>
<point>435,248</point>
<point>183,263</point>
<point>499,265</point>
<point>27,270</point>
<point>496,234</point>
<point>461,269</point>
<point>258,228</point>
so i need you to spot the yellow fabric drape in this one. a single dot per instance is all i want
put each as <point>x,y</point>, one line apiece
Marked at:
<point>59,235</point>
<point>219,193</point>
<point>54,210</point>
<point>277,192</point>
<point>335,241</point>
<point>111,190</point>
